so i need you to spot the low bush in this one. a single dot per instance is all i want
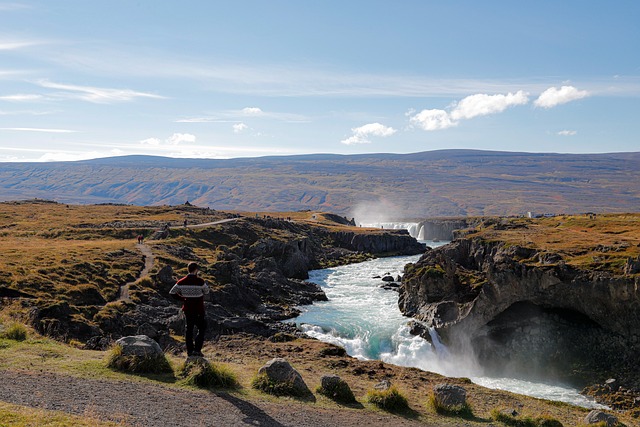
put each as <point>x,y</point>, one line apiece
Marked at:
<point>15,331</point>
<point>463,411</point>
<point>525,420</point>
<point>200,373</point>
<point>340,393</point>
<point>263,383</point>
<point>119,361</point>
<point>390,400</point>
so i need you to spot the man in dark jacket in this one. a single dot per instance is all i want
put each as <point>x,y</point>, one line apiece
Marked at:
<point>191,290</point>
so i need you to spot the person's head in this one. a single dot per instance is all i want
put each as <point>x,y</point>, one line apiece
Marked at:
<point>193,268</point>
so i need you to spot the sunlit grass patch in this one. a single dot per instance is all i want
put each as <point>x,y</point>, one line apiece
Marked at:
<point>13,331</point>
<point>116,359</point>
<point>203,374</point>
<point>24,416</point>
<point>390,400</point>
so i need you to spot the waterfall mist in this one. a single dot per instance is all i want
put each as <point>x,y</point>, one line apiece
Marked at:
<point>365,319</point>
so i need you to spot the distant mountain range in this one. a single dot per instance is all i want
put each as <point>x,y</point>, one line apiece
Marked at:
<point>368,186</point>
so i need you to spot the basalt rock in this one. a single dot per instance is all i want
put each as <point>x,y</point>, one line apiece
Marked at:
<point>491,295</point>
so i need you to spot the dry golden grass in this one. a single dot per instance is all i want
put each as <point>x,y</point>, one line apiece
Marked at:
<point>601,243</point>
<point>24,416</point>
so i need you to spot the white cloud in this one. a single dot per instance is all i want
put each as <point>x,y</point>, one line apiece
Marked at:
<point>252,111</point>
<point>151,141</point>
<point>482,104</point>
<point>40,130</point>
<point>432,120</point>
<point>173,140</point>
<point>239,127</point>
<point>198,120</point>
<point>178,138</point>
<point>96,94</point>
<point>472,106</point>
<point>567,132</point>
<point>362,134</point>
<point>62,156</point>
<point>21,97</point>
<point>16,44</point>
<point>554,96</point>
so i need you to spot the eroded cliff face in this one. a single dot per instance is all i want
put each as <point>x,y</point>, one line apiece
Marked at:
<point>518,307</point>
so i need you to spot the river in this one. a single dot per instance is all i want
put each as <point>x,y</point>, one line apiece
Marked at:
<point>365,319</point>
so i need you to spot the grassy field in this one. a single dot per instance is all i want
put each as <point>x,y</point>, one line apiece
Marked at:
<point>602,242</point>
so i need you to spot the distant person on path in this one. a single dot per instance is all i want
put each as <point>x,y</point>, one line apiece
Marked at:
<point>140,239</point>
<point>191,290</point>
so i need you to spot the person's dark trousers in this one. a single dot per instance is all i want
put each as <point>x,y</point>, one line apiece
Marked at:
<point>199,321</point>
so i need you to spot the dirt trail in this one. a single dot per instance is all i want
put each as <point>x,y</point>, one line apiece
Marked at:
<point>149,259</point>
<point>142,404</point>
<point>123,294</point>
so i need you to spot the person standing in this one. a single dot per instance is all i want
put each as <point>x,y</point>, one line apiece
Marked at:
<point>191,290</point>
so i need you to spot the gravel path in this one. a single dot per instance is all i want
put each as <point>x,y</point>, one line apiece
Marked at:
<point>149,259</point>
<point>142,404</point>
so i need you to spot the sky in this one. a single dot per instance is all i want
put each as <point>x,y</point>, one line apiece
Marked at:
<point>246,78</point>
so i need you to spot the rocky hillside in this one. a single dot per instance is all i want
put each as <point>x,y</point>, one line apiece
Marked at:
<point>554,298</point>
<point>369,186</point>
<point>66,266</point>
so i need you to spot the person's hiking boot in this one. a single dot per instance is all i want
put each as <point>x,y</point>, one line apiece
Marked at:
<point>197,353</point>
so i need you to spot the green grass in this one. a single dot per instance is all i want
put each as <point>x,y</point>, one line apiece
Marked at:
<point>203,374</point>
<point>137,364</point>
<point>340,393</point>
<point>390,400</point>
<point>23,416</point>
<point>462,411</point>
<point>263,383</point>
<point>15,331</point>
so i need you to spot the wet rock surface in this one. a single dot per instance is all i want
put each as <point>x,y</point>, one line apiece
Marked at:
<point>545,320</point>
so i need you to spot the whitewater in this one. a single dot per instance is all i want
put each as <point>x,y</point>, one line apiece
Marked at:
<point>365,319</point>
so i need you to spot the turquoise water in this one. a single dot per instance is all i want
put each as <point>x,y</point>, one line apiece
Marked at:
<point>364,319</point>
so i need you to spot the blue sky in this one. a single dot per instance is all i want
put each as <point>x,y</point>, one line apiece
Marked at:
<point>211,79</point>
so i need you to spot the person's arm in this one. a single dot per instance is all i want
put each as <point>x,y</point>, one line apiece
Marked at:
<point>175,293</point>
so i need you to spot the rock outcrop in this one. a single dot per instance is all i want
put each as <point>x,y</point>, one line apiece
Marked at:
<point>512,303</point>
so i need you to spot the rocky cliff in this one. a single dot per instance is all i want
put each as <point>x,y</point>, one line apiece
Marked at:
<point>527,310</point>
<point>443,228</point>
<point>256,267</point>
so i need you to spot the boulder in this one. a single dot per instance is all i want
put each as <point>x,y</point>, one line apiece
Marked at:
<point>449,396</point>
<point>632,266</point>
<point>148,330</point>
<point>597,416</point>
<point>139,345</point>
<point>336,388</point>
<point>388,279</point>
<point>165,275</point>
<point>278,370</point>
<point>383,385</point>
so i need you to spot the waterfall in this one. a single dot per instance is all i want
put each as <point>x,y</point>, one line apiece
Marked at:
<point>413,228</point>
<point>364,318</point>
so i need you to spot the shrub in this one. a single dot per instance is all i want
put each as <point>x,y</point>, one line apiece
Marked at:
<point>340,392</point>
<point>282,337</point>
<point>524,421</point>
<point>390,400</point>
<point>137,364</point>
<point>463,411</point>
<point>263,383</point>
<point>15,331</point>
<point>200,373</point>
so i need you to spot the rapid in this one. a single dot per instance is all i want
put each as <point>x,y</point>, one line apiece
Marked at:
<point>365,319</point>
